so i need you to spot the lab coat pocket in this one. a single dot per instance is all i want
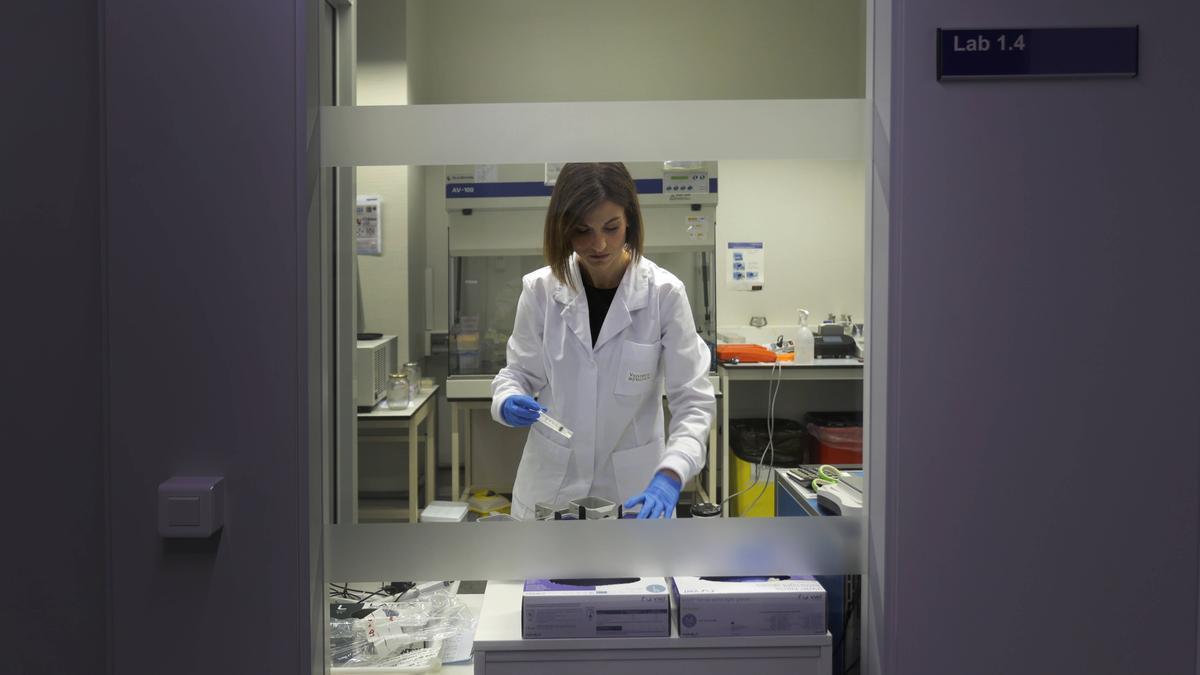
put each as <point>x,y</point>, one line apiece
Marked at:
<point>633,468</point>
<point>541,473</point>
<point>639,368</point>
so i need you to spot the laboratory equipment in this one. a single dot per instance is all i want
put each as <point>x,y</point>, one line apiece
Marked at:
<point>595,508</point>
<point>837,346</point>
<point>721,606</point>
<point>374,360</point>
<point>542,511</point>
<point>496,216</point>
<point>805,344</point>
<point>399,393</point>
<point>842,497</point>
<point>554,425</point>
<point>580,608</point>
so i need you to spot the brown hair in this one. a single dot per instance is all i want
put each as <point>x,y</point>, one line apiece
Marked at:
<point>579,189</point>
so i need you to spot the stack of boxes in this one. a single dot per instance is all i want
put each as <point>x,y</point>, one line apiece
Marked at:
<point>641,607</point>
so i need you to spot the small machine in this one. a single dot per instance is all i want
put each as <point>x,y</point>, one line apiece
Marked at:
<point>833,343</point>
<point>374,360</point>
<point>843,497</point>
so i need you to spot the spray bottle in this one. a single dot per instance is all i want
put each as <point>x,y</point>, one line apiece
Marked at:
<point>805,344</point>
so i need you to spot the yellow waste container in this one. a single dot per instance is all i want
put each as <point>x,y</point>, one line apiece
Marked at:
<point>754,484</point>
<point>743,474</point>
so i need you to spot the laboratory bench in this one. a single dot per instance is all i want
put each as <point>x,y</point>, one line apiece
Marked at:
<point>497,647</point>
<point>821,370</point>
<point>421,410</point>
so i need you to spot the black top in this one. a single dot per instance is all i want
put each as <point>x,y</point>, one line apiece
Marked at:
<point>599,300</point>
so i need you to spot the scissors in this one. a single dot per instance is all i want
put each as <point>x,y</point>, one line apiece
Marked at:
<point>826,476</point>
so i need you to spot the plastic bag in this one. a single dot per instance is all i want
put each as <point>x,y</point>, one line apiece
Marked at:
<point>405,635</point>
<point>792,444</point>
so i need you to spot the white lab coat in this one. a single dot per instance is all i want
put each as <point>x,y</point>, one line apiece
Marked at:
<point>610,397</point>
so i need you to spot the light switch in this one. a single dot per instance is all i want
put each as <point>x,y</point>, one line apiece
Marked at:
<point>183,511</point>
<point>191,506</point>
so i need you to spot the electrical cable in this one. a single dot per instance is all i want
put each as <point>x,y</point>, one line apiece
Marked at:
<point>777,371</point>
<point>769,448</point>
<point>355,594</point>
<point>773,387</point>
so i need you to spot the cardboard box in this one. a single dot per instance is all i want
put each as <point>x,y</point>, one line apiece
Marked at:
<point>716,606</point>
<point>595,608</point>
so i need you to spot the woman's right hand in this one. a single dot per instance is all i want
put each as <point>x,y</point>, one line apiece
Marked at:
<point>520,410</point>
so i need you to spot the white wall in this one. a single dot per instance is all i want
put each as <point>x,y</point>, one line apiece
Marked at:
<point>810,217</point>
<point>465,51</point>
<point>383,80</point>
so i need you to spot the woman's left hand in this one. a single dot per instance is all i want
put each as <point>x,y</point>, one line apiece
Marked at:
<point>659,498</point>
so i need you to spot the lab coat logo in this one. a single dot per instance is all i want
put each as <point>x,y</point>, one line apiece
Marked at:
<point>639,377</point>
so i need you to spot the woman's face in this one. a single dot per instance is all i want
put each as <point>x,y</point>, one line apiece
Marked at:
<point>599,241</point>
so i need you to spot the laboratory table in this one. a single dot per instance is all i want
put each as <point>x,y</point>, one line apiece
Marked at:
<point>500,649</point>
<point>819,370</point>
<point>468,393</point>
<point>422,409</point>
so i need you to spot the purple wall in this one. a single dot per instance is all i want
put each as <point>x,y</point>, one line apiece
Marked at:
<point>207,189</point>
<point>1043,434</point>
<point>51,424</point>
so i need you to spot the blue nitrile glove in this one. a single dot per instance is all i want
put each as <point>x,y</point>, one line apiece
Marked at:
<point>520,410</point>
<point>659,498</point>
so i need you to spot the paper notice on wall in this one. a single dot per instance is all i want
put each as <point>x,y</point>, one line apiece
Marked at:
<point>368,225</point>
<point>697,228</point>
<point>552,169</point>
<point>745,265</point>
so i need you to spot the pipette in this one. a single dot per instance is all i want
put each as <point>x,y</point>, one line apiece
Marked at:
<point>555,425</point>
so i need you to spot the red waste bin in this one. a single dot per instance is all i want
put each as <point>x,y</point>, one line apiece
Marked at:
<point>839,436</point>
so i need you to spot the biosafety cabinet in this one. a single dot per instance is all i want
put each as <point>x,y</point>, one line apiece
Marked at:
<point>497,216</point>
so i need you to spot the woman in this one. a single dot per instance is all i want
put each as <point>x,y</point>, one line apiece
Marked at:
<point>600,334</point>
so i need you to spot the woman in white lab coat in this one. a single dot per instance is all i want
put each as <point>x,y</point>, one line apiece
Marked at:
<point>600,334</point>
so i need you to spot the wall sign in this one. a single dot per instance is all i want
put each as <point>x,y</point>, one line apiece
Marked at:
<point>368,225</point>
<point>744,263</point>
<point>969,53</point>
